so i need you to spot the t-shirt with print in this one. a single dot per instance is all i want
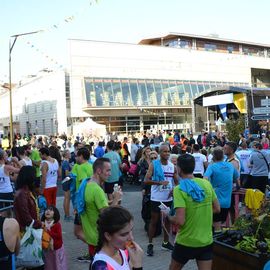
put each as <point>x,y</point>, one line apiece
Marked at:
<point>115,163</point>
<point>222,175</point>
<point>95,200</point>
<point>82,171</point>
<point>199,160</point>
<point>197,229</point>
<point>244,156</point>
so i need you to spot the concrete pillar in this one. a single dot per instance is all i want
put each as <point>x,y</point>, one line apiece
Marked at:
<point>141,122</point>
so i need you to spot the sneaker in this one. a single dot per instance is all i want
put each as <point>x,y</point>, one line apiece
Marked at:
<point>84,259</point>
<point>167,246</point>
<point>150,250</point>
<point>68,218</point>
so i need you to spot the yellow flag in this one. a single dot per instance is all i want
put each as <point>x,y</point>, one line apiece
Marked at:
<point>240,102</point>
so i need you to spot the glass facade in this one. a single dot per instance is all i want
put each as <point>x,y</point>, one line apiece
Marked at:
<point>113,92</point>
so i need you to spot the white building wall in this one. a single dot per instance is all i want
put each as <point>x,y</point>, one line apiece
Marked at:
<point>41,102</point>
<point>106,59</point>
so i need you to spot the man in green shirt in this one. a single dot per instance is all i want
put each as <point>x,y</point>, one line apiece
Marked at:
<point>96,201</point>
<point>194,202</point>
<point>82,169</point>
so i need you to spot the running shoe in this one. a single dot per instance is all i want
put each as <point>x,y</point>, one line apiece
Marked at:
<point>85,258</point>
<point>167,246</point>
<point>150,250</point>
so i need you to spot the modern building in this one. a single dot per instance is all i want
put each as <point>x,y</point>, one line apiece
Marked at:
<point>161,83</point>
<point>153,84</point>
<point>39,105</point>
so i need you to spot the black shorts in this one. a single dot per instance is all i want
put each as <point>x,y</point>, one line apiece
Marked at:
<point>108,187</point>
<point>183,254</point>
<point>6,196</point>
<point>197,175</point>
<point>155,206</point>
<point>66,185</point>
<point>77,219</point>
<point>222,216</point>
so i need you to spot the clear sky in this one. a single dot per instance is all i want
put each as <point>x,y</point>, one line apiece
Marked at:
<point>117,20</point>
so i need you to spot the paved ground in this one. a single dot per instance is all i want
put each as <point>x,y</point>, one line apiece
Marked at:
<point>132,201</point>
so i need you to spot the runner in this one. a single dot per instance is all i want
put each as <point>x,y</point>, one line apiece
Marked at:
<point>95,201</point>
<point>115,161</point>
<point>50,173</point>
<point>194,239</point>
<point>162,177</point>
<point>200,162</point>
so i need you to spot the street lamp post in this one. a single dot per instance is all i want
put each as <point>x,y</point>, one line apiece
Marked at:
<point>11,45</point>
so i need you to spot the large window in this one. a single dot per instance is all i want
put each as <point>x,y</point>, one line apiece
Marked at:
<point>113,92</point>
<point>210,47</point>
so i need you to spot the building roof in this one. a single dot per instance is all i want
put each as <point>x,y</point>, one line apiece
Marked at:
<point>172,35</point>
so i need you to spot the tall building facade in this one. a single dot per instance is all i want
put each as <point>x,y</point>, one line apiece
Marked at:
<point>158,83</point>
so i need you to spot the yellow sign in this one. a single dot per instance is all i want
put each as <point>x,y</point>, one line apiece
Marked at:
<point>240,102</point>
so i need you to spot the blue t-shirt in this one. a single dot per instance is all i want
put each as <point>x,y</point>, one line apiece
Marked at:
<point>65,167</point>
<point>115,166</point>
<point>222,175</point>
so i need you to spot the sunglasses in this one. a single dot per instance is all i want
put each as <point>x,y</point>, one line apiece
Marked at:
<point>154,157</point>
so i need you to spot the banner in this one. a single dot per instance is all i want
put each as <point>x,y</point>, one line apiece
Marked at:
<point>239,101</point>
<point>223,111</point>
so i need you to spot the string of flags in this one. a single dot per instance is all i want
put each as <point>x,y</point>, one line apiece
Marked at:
<point>55,27</point>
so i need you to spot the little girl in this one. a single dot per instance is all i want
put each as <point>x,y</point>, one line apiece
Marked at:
<point>54,259</point>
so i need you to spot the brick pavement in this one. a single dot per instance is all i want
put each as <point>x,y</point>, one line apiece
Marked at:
<point>132,201</point>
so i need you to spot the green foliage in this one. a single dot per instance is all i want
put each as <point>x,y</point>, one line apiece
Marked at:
<point>234,127</point>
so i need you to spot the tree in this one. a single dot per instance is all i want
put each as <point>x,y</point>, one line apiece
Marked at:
<point>234,127</point>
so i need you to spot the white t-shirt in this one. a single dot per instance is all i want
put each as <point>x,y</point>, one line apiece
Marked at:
<point>5,184</point>
<point>160,193</point>
<point>101,256</point>
<point>199,160</point>
<point>27,162</point>
<point>244,156</point>
<point>51,177</point>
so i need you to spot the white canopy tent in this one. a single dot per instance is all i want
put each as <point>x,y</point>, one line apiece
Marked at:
<point>89,128</point>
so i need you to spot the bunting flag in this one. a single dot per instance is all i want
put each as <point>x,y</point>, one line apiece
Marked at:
<point>54,27</point>
<point>223,111</point>
<point>239,101</point>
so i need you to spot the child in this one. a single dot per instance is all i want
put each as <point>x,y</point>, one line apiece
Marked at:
<point>54,259</point>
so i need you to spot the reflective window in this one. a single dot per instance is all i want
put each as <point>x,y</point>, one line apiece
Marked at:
<point>194,89</point>
<point>210,47</point>
<point>89,91</point>
<point>118,98</point>
<point>99,92</point>
<point>159,93</point>
<point>143,91</point>
<point>136,100</point>
<point>126,93</point>
<point>151,92</point>
<point>201,87</point>
<point>183,96</point>
<point>108,93</point>
<point>132,92</point>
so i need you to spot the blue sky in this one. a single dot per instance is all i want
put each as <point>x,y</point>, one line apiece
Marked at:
<point>117,20</point>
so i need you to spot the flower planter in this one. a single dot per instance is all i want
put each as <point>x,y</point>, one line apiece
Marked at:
<point>227,257</point>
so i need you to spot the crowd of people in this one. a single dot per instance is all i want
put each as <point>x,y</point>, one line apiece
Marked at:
<point>185,181</point>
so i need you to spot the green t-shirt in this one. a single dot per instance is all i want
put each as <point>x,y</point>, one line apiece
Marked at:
<point>36,157</point>
<point>197,229</point>
<point>95,200</point>
<point>82,171</point>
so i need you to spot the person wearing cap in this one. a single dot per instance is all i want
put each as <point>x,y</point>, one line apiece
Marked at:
<point>259,163</point>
